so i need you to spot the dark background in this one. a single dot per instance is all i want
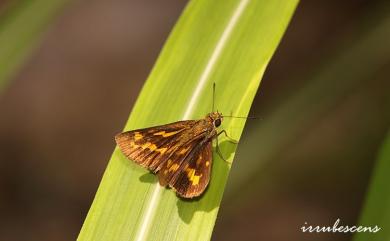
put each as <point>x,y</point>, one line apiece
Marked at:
<point>75,91</point>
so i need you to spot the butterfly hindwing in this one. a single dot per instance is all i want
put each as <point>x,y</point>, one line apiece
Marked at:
<point>173,164</point>
<point>150,147</point>
<point>191,175</point>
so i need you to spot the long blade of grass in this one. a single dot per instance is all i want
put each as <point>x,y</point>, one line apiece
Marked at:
<point>20,26</point>
<point>226,42</point>
<point>376,210</point>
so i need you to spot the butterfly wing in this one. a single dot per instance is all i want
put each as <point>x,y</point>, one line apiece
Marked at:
<point>151,147</point>
<point>188,172</point>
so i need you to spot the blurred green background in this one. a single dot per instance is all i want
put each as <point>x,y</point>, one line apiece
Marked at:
<point>70,72</point>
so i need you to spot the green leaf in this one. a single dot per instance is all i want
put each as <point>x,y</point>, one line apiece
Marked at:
<point>376,210</point>
<point>226,42</point>
<point>21,24</point>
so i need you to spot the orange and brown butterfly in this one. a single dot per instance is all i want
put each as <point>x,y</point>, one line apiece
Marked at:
<point>179,153</point>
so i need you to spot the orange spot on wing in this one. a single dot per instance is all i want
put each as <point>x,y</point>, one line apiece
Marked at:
<point>169,163</point>
<point>165,134</point>
<point>184,151</point>
<point>199,161</point>
<point>137,136</point>
<point>162,150</point>
<point>149,146</point>
<point>174,167</point>
<point>191,175</point>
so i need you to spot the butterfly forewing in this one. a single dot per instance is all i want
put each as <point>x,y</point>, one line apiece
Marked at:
<point>150,147</point>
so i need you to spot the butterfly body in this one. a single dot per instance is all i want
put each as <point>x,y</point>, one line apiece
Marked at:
<point>180,153</point>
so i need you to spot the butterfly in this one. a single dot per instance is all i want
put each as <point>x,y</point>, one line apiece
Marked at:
<point>179,153</point>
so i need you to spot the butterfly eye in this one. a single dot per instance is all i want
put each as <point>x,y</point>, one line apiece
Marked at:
<point>217,122</point>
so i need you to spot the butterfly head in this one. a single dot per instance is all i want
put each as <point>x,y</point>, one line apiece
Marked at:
<point>216,118</point>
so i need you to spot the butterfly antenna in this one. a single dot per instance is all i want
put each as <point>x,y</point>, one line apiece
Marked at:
<point>213,96</point>
<point>241,117</point>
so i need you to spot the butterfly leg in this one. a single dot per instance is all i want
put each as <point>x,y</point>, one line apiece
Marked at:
<point>220,153</point>
<point>228,137</point>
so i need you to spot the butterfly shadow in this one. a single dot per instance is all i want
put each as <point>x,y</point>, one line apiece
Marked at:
<point>148,177</point>
<point>210,199</point>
